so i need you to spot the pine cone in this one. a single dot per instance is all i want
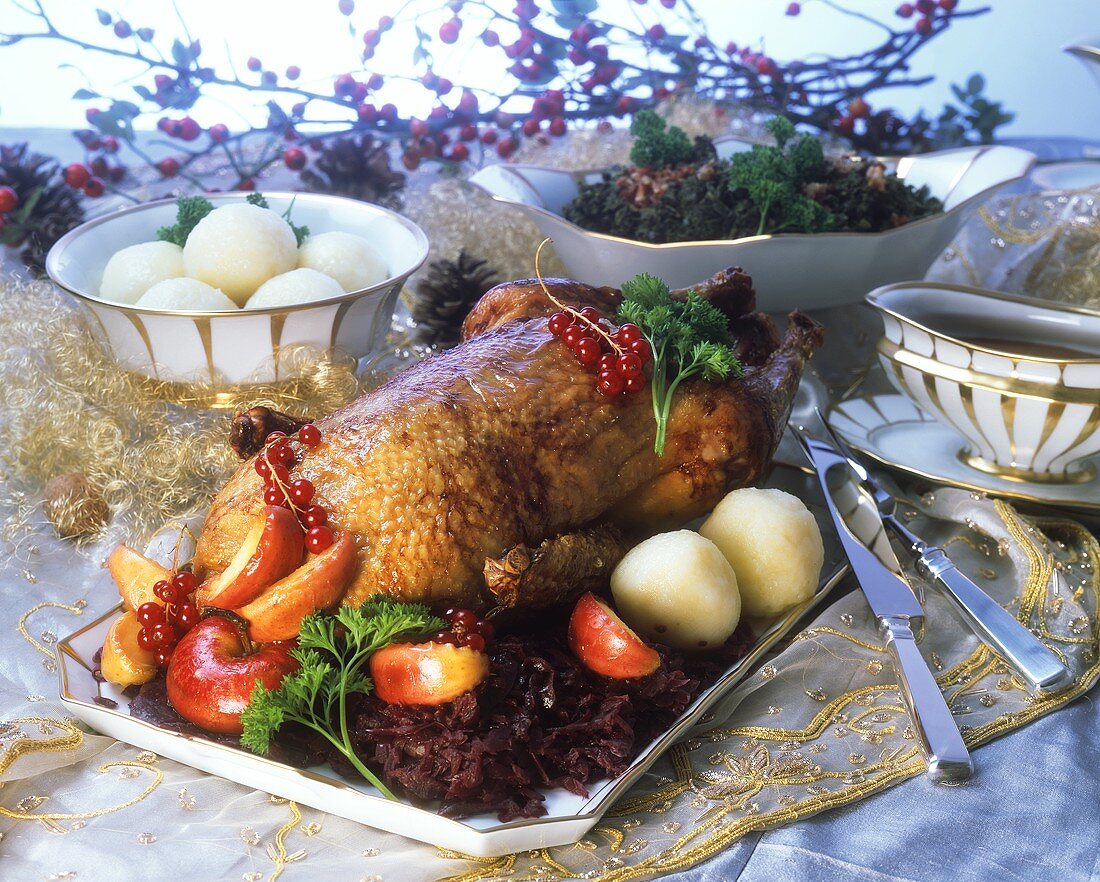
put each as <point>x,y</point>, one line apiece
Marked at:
<point>643,187</point>
<point>53,212</point>
<point>356,167</point>
<point>446,295</point>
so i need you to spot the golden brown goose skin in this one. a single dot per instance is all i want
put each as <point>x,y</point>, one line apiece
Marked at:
<point>504,441</point>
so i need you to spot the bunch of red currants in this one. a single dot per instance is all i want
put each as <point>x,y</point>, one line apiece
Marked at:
<point>465,629</point>
<point>274,464</point>
<point>164,623</point>
<point>618,356</point>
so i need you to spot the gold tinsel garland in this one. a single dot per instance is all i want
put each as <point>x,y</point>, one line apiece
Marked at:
<point>66,406</point>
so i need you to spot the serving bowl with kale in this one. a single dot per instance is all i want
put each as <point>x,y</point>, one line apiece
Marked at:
<point>818,231</point>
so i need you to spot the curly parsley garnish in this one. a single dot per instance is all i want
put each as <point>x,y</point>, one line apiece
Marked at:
<point>333,652</point>
<point>189,211</point>
<point>688,337</point>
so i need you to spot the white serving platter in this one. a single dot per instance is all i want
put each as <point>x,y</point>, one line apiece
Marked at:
<point>568,816</point>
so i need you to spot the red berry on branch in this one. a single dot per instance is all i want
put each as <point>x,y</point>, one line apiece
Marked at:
<point>274,496</point>
<point>318,539</point>
<point>641,349</point>
<point>557,127</point>
<point>668,4</point>
<point>448,31</point>
<point>189,130</point>
<point>845,125</point>
<point>530,127</point>
<point>906,10</point>
<point>490,38</point>
<point>587,351</point>
<point>859,109</point>
<point>347,7</point>
<point>150,613</point>
<point>76,175</point>
<point>309,435</point>
<point>411,161</point>
<point>794,8</point>
<point>301,492</point>
<point>94,188</point>
<point>626,104</point>
<point>187,616</point>
<point>168,167</point>
<point>385,23</point>
<point>657,32</point>
<point>628,365</point>
<point>315,516</point>
<point>254,64</point>
<point>269,78</point>
<point>473,641</point>
<point>558,322</point>
<point>91,114</point>
<point>633,385</point>
<point>123,29</point>
<point>948,5</point>
<point>925,7</point>
<point>99,166</point>
<point>609,384</point>
<point>294,158</point>
<point>344,85</point>
<point>218,132</point>
<point>418,128</point>
<point>185,582</point>
<point>923,27</point>
<point>8,200</point>
<point>246,184</point>
<point>506,148</point>
<point>460,153</point>
<point>110,143</point>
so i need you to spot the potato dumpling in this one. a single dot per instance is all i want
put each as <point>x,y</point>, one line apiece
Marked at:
<point>677,588</point>
<point>774,544</point>
<point>296,286</point>
<point>185,294</point>
<point>348,258</point>
<point>134,270</point>
<point>238,247</point>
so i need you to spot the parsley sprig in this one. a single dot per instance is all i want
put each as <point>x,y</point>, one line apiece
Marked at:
<point>688,337</point>
<point>189,211</point>
<point>333,652</point>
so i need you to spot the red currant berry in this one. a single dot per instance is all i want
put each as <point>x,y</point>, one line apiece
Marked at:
<point>633,385</point>
<point>150,613</point>
<point>280,453</point>
<point>318,539</point>
<point>165,591</point>
<point>280,474</point>
<point>609,384</point>
<point>591,313</point>
<point>444,636</point>
<point>162,635</point>
<point>559,321</point>
<point>301,492</point>
<point>220,131</point>
<point>485,628</point>
<point>187,616</point>
<point>77,175</point>
<point>315,516</point>
<point>8,200</point>
<point>628,333</point>
<point>464,617</point>
<point>449,612</point>
<point>628,365</point>
<point>94,188</point>
<point>641,349</point>
<point>294,158</point>
<point>473,641</point>
<point>924,27</point>
<point>262,466</point>
<point>168,167</point>
<point>274,496</point>
<point>572,335</point>
<point>145,640</point>
<point>162,656</point>
<point>309,435</point>
<point>185,582</point>
<point>448,31</point>
<point>272,437</point>
<point>607,362</point>
<point>587,351</point>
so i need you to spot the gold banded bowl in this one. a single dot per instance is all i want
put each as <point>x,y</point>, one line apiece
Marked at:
<point>241,346</point>
<point>1026,415</point>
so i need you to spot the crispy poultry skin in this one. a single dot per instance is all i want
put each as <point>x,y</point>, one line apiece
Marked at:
<point>495,474</point>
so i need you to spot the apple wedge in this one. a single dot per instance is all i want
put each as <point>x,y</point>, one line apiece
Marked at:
<point>135,575</point>
<point>426,673</point>
<point>605,644</point>
<point>317,584</point>
<point>123,661</point>
<point>272,549</point>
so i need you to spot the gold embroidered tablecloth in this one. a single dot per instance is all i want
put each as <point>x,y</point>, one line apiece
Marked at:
<point>818,726</point>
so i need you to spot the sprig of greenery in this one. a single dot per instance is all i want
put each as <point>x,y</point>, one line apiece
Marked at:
<point>332,654</point>
<point>189,211</point>
<point>689,337</point>
<point>301,233</point>
<point>774,177</point>
<point>656,144</point>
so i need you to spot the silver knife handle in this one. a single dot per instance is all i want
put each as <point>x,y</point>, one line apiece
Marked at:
<point>948,759</point>
<point>1040,667</point>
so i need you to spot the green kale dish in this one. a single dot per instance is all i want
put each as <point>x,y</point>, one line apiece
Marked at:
<point>678,190</point>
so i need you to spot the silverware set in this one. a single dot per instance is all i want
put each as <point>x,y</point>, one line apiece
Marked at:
<point>864,513</point>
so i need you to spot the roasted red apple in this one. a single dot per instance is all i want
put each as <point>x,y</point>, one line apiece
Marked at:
<point>605,644</point>
<point>317,584</point>
<point>426,673</point>
<point>123,661</point>
<point>273,548</point>
<point>214,670</point>
<point>135,575</point>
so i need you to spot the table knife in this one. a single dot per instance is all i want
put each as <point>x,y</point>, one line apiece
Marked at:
<point>897,609</point>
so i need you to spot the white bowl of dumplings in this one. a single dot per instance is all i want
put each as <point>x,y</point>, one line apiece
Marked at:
<point>241,302</point>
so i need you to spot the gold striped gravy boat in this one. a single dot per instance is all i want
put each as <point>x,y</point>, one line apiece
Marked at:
<point>1019,379</point>
<point>240,346</point>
